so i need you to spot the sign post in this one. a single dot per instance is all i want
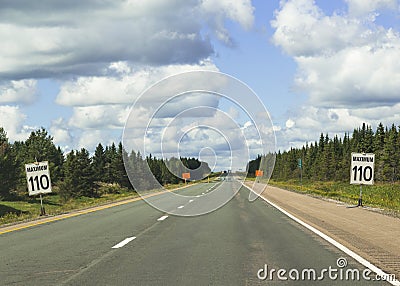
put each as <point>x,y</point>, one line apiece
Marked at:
<point>362,171</point>
<point>38,179</point>
<point>300,164</point>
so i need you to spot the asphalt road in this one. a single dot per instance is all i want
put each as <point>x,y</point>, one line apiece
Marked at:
<point>135,244</point>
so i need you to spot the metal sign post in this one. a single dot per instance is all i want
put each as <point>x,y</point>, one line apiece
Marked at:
<point>300,164</point>
<point>360,198</point>
<point>42,210</point>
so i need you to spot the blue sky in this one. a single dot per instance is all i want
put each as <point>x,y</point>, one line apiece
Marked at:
<point>318,66</point>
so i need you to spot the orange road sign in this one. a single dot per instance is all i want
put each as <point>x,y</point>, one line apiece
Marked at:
<point>185,176</point>
<point>259,173</point>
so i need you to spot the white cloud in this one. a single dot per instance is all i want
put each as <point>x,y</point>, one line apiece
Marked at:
<point>12,120</point>
<point>352,77</point>
<point>290,123</point>
<point>364,7</point>
<point>342,60</point>
<point>216,11</point>
<point>99,116</point>
<point>239,11</point>
<point>123,88</point>
<point>89,139</point>
<point>49,39</point>
<point>18,91</point>
<point>61,133</point>
<point>247,124</point>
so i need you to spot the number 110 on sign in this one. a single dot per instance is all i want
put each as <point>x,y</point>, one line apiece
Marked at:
<point>362,169</point>
<point>38,178</point>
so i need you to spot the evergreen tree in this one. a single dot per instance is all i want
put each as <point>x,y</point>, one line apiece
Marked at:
<point>390,155</point>
<point>40,147</point>
<point>79,176</point>
<point>379,144</point>
<point>68,187</point>
<point>99,162</point>
<point>118,168</point>
<point>8,176</point>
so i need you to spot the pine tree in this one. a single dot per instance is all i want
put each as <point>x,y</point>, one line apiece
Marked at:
<point>390,155</point>
<point>8,176</point>
<point>118,168</point>
<point>379,144</point>
<point>99,162</point>
<point>68,187</point>
<point>78,176</point>
<point>40,147</point>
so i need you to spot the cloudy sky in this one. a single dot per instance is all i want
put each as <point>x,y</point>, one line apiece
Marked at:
<point>76,67</point>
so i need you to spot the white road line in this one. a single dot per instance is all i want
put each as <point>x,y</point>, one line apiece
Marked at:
<point>181,207</point>
<point>198,196</point>
<point>203,193</point>
<point>191,201</point>
<point>162,218</point>
<point>124,242</point>
<point>338,245</point>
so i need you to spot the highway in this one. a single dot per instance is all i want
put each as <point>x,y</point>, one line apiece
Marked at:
<point>135,244</point>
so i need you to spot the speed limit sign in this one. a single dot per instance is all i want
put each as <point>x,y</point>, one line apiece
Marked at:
<point>38,177</point>
<point>362,169</point>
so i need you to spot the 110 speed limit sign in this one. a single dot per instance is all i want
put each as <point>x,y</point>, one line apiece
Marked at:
<point>38,177</point>
<point>362,169</point>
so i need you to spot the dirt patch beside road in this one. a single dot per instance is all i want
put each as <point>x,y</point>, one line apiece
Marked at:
<point>372,235</point>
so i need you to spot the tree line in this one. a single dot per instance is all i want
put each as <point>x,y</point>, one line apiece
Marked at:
<point>78,173</point>
<point>328,159</point>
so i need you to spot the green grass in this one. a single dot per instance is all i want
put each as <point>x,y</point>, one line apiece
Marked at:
<point>382,195</point>
<point>28,208</point>
<point>15,211</point>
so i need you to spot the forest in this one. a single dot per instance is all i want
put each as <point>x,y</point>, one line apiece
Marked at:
<point>328,159</point>
<point>79,173</point>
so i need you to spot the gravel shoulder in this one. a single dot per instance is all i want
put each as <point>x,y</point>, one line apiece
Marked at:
<point>372,235</point>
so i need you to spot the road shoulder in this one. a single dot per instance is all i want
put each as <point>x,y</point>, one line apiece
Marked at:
<point>372,235</point>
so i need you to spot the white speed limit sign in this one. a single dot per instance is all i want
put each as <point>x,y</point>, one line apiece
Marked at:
<point>38,177</point>
<point>362,169</point>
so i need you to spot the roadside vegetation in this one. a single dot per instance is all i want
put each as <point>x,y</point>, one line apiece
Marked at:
<point>325,167</point>
<point>15,210</point>
<point>380,195</point>
<point>80,179</point>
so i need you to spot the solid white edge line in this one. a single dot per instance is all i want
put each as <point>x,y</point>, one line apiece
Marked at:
<point>124,242</point>
<point>338,245</point>
<point>162,218</point>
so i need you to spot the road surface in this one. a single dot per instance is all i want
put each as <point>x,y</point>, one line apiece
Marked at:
<point>135,244</point>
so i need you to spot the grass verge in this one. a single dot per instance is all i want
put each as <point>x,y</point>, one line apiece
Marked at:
<point>381,195</point>
<point>28,208</point>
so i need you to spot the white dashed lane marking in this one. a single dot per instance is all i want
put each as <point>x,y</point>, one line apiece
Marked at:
<point>124,242</point>
<point>162,218</point>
